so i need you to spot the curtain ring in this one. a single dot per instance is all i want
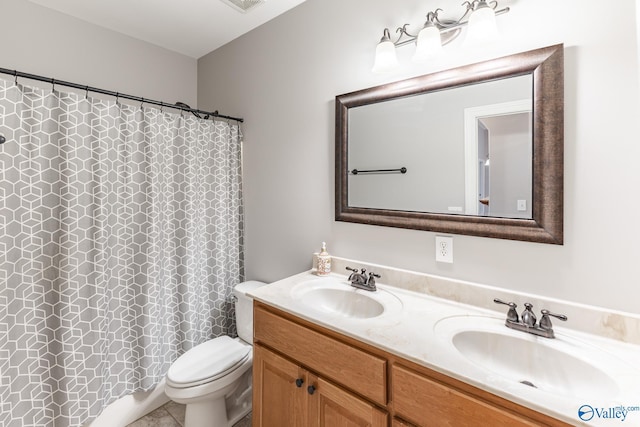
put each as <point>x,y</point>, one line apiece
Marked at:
<point>53,85</point>
<point>161,107</point>
<point>117,97</point>
<point>86,93</point>
<point>15,81</point>
<point>141,103</point>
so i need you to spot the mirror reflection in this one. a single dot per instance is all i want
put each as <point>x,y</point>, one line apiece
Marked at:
<point>466,150</point>
<point>508,110</point>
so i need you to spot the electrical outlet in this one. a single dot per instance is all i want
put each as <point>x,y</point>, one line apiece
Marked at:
<point>522,205</point>
<point>444,249</point>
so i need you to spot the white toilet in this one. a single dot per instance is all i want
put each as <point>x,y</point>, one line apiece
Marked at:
<point>214,378</point>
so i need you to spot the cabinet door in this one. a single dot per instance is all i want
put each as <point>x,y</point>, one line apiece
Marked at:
<point>333,406</point>
<point>279,391</point>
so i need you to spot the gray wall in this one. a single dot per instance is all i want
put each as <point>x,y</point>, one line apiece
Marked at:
<point>40,41</point>
<point>283,77</point>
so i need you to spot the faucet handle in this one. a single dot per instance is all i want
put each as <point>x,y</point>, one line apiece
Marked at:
<point>372,278</point>
<point>510,304</point>
<point>512,315</point>
<point>545,322</point>
<point>353,271</point>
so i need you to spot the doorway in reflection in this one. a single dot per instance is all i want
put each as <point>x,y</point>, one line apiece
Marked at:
<point>499,156</point>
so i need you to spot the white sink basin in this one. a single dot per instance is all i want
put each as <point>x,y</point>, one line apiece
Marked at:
<point>344,302</point>
<point>562,366</point>
<point>334,296</point>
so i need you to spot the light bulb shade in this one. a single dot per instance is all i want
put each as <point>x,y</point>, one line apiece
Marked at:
<point>482,27</point>
<point>428,44</point>
<point>386,59</point>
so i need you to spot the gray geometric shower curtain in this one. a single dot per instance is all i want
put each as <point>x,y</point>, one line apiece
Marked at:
<point>120,241</point>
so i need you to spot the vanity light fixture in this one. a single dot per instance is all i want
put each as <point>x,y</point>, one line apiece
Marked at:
<point>479,16</point>
<point>386,59</point>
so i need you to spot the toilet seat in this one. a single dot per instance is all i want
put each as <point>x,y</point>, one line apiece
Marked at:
<point>208,362</point>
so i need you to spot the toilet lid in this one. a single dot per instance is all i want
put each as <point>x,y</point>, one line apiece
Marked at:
<point>207,361</point>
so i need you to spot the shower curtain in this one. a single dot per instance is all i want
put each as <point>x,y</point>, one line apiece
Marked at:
<point>121,234</point>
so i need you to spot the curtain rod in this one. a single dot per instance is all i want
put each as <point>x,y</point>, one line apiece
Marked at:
<point>178,105</point>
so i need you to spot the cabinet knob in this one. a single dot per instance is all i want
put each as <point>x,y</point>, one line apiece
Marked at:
<point>311,389</point>
<point>299,382</point>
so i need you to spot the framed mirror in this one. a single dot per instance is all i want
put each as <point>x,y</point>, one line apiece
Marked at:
<point>475,150</point>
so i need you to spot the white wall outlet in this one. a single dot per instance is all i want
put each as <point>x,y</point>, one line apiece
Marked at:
<point>522,205</point>
<point>444,249</point>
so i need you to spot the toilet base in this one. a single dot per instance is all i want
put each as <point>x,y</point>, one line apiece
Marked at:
<point>222,405</point>
<point>239,402</point>
<point>219,412</point>
<point>208,413</point>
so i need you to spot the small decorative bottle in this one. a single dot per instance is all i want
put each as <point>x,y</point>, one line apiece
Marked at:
<point>324,261</point>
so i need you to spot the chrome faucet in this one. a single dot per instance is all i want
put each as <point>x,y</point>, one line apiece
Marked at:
<point>361,281</point>
<point>527,321</point>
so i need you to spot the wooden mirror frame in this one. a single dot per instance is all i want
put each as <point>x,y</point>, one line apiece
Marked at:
<point>546,65</point>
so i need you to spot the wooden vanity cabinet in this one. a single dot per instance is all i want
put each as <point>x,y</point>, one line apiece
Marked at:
<point>334,359</point>
<point>286,395</point>
<point>355,384</point>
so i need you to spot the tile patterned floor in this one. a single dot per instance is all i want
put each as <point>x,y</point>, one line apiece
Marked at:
<point>172,415</point>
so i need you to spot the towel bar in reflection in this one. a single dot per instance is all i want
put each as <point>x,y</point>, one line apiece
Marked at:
<point>401,170</point>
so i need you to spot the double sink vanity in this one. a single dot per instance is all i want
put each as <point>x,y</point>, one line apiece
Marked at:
<point>421,350</point>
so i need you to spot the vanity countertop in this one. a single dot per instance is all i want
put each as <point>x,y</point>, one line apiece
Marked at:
<point>411,333</point>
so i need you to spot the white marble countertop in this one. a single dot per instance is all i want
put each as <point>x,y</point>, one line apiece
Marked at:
<point>412,332</point>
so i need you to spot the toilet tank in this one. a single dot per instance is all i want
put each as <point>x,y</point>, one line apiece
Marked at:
<point>244,309</point>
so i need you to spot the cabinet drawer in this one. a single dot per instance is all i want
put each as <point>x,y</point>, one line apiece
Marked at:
<point>360,371</point>
<point>427,403</point>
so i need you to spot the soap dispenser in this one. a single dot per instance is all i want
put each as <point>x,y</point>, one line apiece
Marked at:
<point>324,261</point>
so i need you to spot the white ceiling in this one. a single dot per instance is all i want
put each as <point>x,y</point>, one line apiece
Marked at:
<point>191,27</point>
